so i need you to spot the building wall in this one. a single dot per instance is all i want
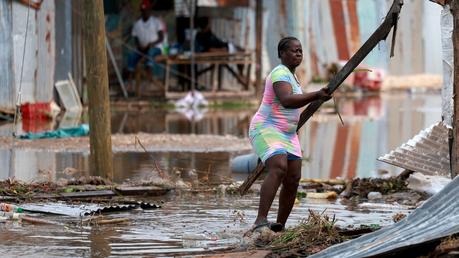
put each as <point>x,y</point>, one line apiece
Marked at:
<point>333,30</point>
<point>7,71</point>
<point>37,63</point>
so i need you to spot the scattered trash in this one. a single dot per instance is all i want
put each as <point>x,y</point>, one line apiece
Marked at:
<point>369,79</point>
<point>322,181</point>
<point>11,215</point>
<point>325,195</point>
<point>68,94</point>
<point>428,184</point>
<point>100,220</point>
<point>434,220</point>
<point>362,186</point>
<point>192,99</point>
<point>397,217</point>
<point>309,236</point>
<point>374,196</point>
<point>10,208</point>
<point>244,163</point>
<point>38,110</point>
<point>201,236</point>
<point>84,209</point>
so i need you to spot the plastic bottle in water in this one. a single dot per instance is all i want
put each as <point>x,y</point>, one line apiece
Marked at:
<point>10,207</point>
<point>11,215</point>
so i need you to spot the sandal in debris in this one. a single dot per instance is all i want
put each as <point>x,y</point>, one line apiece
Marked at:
<point>273,226</point>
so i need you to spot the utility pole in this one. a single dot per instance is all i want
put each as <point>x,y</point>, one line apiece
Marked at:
<point>97,84</point>
<point>258,47</point>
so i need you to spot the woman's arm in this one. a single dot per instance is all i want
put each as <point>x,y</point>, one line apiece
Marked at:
<point>287,99</point>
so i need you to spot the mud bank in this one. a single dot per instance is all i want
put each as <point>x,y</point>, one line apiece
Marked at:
<point>128,143</point>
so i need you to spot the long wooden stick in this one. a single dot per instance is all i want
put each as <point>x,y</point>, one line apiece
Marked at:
<point>380,34</point>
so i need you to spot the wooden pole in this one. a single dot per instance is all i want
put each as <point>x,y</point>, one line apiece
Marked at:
<point>97,85</point>
<point>192,8</point>
<point>258,47</point>
<point>454,153</point>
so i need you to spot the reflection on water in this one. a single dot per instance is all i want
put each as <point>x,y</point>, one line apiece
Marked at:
<point>127,166</point>
<point>218,122</point>
<point>373,126</point>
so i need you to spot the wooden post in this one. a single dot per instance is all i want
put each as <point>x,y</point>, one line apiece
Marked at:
<point>258,47</point>
<point>454,153</point>
<point>97,85</point>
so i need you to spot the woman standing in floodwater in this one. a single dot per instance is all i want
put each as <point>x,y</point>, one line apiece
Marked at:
<point>273,134</point>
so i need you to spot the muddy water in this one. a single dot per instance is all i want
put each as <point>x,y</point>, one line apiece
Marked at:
<point>193,223</point>
<point>185,225</point>
<point>372,127</point>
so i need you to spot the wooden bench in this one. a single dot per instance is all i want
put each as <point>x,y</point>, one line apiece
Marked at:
<point>215,62</point>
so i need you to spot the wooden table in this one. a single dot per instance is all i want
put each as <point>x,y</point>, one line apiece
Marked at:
<point>216,61</point>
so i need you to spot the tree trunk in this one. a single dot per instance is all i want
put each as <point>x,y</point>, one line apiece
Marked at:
<point>97,85</point>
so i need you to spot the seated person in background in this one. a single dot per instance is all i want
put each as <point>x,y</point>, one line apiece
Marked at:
<point>206,41</point>
<point>148,35</point>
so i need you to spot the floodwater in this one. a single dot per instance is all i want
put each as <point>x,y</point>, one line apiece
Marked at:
<point>373,126</point>
<point>192,223</point>
<point>185,225</point>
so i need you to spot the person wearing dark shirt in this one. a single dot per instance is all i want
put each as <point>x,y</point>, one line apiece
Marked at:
<point>206,41</point>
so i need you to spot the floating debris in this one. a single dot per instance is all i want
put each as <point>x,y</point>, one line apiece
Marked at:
<point>310,236</point>
<point>84,209</point>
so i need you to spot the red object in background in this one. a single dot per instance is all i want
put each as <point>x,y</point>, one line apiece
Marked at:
<point>36,117</point>
<point>370,106</point>
<point>36,125</point>
<point>40,110</point>
<point>145,5</point>
<point>369,80</point>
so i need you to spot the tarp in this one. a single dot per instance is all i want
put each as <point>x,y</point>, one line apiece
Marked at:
<point>78,131</point>
<point>437,218</point>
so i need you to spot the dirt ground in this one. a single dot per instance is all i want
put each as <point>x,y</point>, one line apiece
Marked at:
<point>129,142</point>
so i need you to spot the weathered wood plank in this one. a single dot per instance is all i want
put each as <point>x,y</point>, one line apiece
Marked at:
<point>142,190</point>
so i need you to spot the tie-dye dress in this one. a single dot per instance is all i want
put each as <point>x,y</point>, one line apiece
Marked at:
<point>273,128</point>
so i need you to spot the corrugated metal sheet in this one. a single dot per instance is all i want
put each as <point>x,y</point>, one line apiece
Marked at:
<point>85,209</point>
<point>448,64</point>
<point>38,67</point>
<point>426,152</point>
<point>435,219</point>
<point>39,62</point>
<point>19,13</point>
<point>335,29</point>
<point>7,71</point>
<point>46,45</point>
<point>63,36</point>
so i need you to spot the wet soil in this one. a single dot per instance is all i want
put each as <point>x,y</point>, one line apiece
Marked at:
<point>128,143</point>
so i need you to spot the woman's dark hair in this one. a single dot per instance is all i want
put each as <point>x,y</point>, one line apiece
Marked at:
<point>283,44</point>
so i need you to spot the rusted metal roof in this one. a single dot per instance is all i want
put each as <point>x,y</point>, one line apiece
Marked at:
<point>435,219</point>
<point>427,152</point>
